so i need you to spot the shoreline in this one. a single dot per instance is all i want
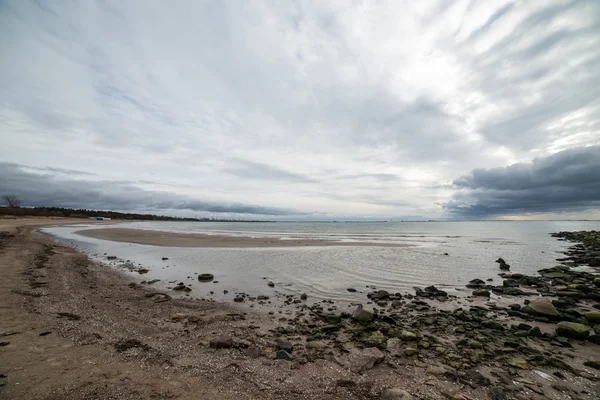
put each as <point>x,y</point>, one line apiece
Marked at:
<point>77,329</point>
<point>175,239</point>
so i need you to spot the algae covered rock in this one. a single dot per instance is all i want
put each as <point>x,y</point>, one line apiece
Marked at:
<point>572,330</point>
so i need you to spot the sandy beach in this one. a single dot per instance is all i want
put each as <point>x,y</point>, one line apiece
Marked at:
<point>74,329</point>
<point>174,239</point>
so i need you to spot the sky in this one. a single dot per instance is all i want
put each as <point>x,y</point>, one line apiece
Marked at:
<point>303,110</point>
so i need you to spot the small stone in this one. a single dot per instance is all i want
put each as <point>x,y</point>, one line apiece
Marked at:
<point>271,284</point>
<point>303,296</point>
<point>395,394</point>
<point>522,364</point>
<point>205,277</point>
<point>287,346</point>
<point>254,352</point>
<point>481,292</point>
<point>592,364</point>
<point>363,313</point>
<point>408,336</point>
<point>222,342</point>
<point>178,317</point>
<point>283,355</point>
<point>238,299</point>
<point>410,351</point>
<point>351,290</point>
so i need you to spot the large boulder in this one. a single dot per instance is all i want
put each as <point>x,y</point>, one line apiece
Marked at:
<point>542,307</point>
<point>572,330</point>
<point>363,313</point>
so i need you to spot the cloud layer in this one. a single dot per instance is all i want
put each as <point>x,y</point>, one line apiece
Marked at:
<point>333,109</point>
<point>565,181</point>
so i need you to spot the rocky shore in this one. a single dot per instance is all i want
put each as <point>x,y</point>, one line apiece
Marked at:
<point>528,337</point>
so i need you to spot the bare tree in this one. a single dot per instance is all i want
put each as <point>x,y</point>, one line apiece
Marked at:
<point>12,201</point>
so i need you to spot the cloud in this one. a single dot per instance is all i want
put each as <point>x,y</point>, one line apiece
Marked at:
<point>328,108</point>
<point>565,181</point>
<point>37,190</point>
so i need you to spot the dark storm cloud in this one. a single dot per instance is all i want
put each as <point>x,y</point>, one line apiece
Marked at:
<point>49,190</point>
<point>565,181</point>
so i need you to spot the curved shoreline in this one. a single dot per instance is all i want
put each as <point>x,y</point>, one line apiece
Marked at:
<point>175,239</point>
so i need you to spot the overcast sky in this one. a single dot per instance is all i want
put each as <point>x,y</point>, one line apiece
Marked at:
<point>303,110</point>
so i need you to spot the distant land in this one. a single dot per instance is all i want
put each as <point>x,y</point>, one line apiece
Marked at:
<point>84,213</point>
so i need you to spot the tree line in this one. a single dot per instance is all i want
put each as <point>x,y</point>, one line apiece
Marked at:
<point>13,207</point>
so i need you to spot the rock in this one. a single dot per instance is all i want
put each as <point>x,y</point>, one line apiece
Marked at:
<point>592,364</point>
<point>254,352</point>
<point>477,377</point>
<point>396,303</point>
<point>395,394</point>
<point>124,345</point>
<point>205,277</point>
<point>351,290</point>
<point>541,306</point>
<point>362,360</point>
<point>597,282</point>
<point>510,283</point>
<point>500,261</point>
<point>303,296</point>
<point>375,339</point>
<point>498,393</point>
<point>394,345</point>
<point>572,330</point>
<point>410,351</point>
<point>165,258</point>
<point>287,346</point>
<point>283,355</point>
<point>474,344</point>
<point>238,299</point>
<point>271,284</point>
<point>382,303</point>
<point>593,317</point>
<point>408,336</point>
<point>111,257</point>
<point>481,292</point>
<point>493,325</point>
<point>475,284</point>
<point>262,297</point>
<point>333,319</point>
<point>178,317</point>
<point>522,364</point>
<point>143,271</point>
<point>222,342</point>
<point>363,313</point>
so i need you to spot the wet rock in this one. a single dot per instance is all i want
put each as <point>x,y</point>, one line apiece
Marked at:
<point>498,393</point>
<point>111,257</point>
<point>303,296</point>
<point>375,339</point>
<point>262,297</point>
<point>382,303</point>
<point>572,330</point>
<point>396,303</point>
<point>283,355</point>
<point>395,394</point>
<point>477,377</point>
<point>593,317</point>
<point>222,342</point>
<point>333,319</point>
<point>143,271</point>
<point>180,287</point>
<point>493,325</point>
<point>238,299</point>
<point>541,306</point>
<point>205,277</point>
<point>481,292</point>
<point>475,284</point>
<point>597,282</point>
<point>351,290</point>
<point>363,313</point>
<point>410,351</point>
<point>408,336</point>
<point>510,283</point>
<point>165,258</point>
<point>592,364</point>
<point>287,346</point>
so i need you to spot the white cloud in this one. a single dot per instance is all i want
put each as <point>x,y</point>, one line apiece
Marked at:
<point>271,103</point>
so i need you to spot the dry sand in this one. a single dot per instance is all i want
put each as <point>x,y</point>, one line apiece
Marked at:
<point>174,239</point>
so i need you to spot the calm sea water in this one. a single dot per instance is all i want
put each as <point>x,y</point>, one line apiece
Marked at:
<point>326,272</point>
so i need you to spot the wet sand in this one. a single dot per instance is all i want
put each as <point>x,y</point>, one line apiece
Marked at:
<point>174,239</point>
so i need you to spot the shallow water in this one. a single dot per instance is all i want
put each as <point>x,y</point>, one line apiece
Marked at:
<point>326,272</point>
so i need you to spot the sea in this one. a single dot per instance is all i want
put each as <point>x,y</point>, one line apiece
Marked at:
<point>445,254</point>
